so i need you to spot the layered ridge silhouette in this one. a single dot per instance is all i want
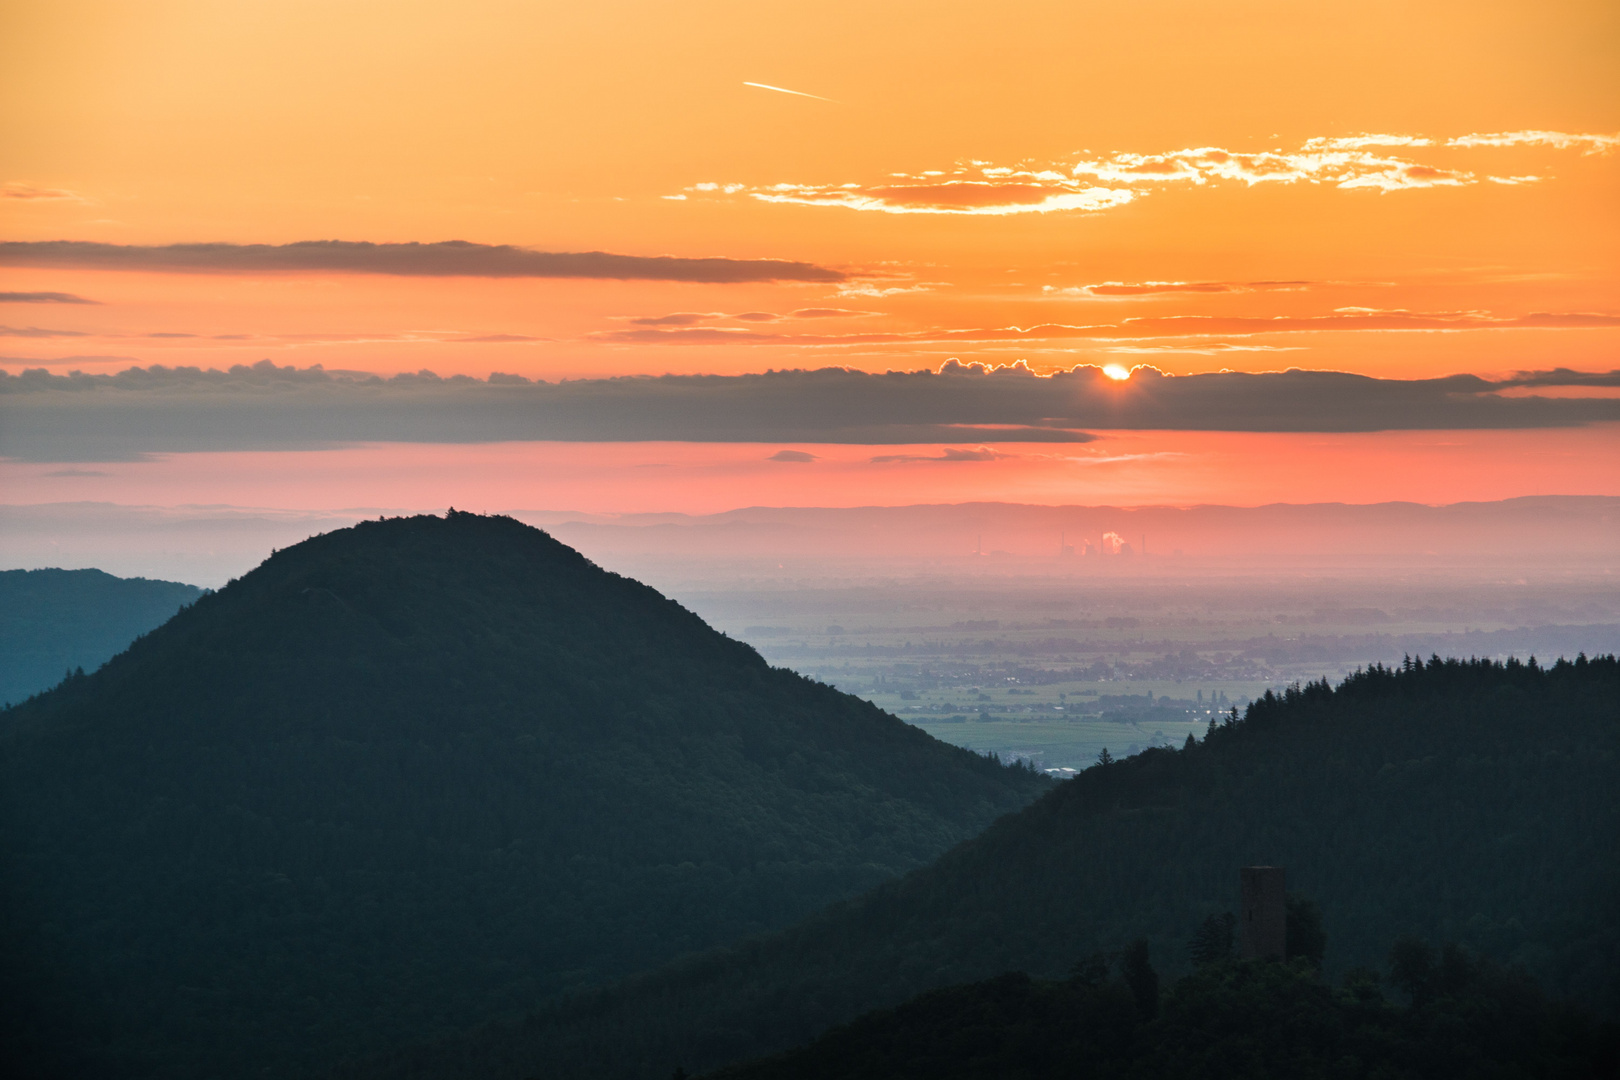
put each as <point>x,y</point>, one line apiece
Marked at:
<point>1471,802</point>
<point>410,775</point>
<point>54,620</point>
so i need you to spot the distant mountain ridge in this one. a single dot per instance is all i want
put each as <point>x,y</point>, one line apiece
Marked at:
<point>54,621</point>
<point>210,544</point>
<point>410,775</point>
<point>1531,529</point>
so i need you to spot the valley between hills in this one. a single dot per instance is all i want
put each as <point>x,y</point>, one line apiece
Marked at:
<point>439,797</point>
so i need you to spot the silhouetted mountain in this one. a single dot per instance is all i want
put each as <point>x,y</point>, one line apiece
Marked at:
<point>1258,1020</point>
<point>410,775</point>
<point>54,621</point>
<point>1459,801</point>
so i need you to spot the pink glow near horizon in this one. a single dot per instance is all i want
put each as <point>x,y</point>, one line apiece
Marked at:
<point>1121,468</point>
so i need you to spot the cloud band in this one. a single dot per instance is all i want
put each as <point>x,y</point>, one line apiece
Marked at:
<point>45,417</point>
<point>451,258</point>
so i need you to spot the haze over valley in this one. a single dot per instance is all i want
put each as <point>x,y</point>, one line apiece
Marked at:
<point>1057,540</point>
<point>981,625</point>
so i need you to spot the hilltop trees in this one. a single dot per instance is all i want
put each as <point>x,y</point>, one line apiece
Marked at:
<point>1464,1017</point>
<point>1212,942</point>
<point>409,776</point>
<point>1470,801</point>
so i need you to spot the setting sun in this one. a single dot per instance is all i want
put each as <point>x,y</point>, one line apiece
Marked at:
<point>545,506</point>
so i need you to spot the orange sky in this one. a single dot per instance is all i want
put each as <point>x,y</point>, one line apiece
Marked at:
<point>962,168</point>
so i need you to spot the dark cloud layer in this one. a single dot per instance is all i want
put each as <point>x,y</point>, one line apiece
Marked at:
<point>453,258</point>
<point>45,417</point>
<point>1564,377</point>
<point>38,332</point>
<point>43,298</point>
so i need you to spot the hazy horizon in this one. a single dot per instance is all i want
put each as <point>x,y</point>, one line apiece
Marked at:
<point>923,404</point>
<point>973,622</point>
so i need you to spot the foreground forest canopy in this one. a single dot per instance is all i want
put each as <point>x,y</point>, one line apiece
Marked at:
<point>55,621</point>
<point>1469,802</point>
<point>1433,1015</point>
<point>415,774</point>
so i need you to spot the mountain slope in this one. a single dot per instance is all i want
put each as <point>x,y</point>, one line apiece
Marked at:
<point>1260,1020</point>
<point>52,621</point>
<point>406,776</point>
<point>1463,801</point>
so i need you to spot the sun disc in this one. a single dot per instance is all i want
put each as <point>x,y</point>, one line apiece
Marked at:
<point>1117,372</point>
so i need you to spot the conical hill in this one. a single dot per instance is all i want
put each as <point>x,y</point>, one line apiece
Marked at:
<point>411,775</point>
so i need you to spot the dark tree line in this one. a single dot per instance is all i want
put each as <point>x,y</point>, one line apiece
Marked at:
<point>1445,1015</point>
<point>1466,801</point>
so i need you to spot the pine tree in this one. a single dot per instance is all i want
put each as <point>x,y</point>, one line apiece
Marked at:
<point>1212,942</point>
<point>1305,937</point>
<point>1140,977</point>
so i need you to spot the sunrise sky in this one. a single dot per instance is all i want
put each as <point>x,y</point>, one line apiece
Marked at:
<point>1402,191</point>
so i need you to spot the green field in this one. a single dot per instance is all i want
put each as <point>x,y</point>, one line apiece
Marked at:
<point>1058,744</point>
<point>1058,725</point>
<point>1061,668</point>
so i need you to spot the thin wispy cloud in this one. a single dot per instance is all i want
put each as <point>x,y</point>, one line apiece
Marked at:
<point>698,318</point>
<point>38,332</point>
<point>1126,289</point>
<point>1013,193</point>
<point>829,313</point>
<point>1095,183</point>
<point>1342,320</point>
<point>877,292</point>
<point>1208,348</point>
<point>1560,140</point>
<point>676,318</point>
<point>795,93</point>
<point>946,454</point>
<point>453,258</point>
<point>1361,142</point>
<point>693,335</point>
<point>30,192</point>
<point>1343,168</point>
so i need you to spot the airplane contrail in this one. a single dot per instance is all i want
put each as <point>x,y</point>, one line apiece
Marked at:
<point>795,93</point>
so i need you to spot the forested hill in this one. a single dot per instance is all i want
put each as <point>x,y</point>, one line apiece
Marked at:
<point>1435,1015</point>
<point>1471,802</point>
<point>407,776</point>
<point>53,621</point>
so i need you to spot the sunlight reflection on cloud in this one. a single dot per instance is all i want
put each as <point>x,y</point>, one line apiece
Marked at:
<point>1097,183</point>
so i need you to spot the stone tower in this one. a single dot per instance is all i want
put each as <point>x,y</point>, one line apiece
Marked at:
<point>1263,921</point>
